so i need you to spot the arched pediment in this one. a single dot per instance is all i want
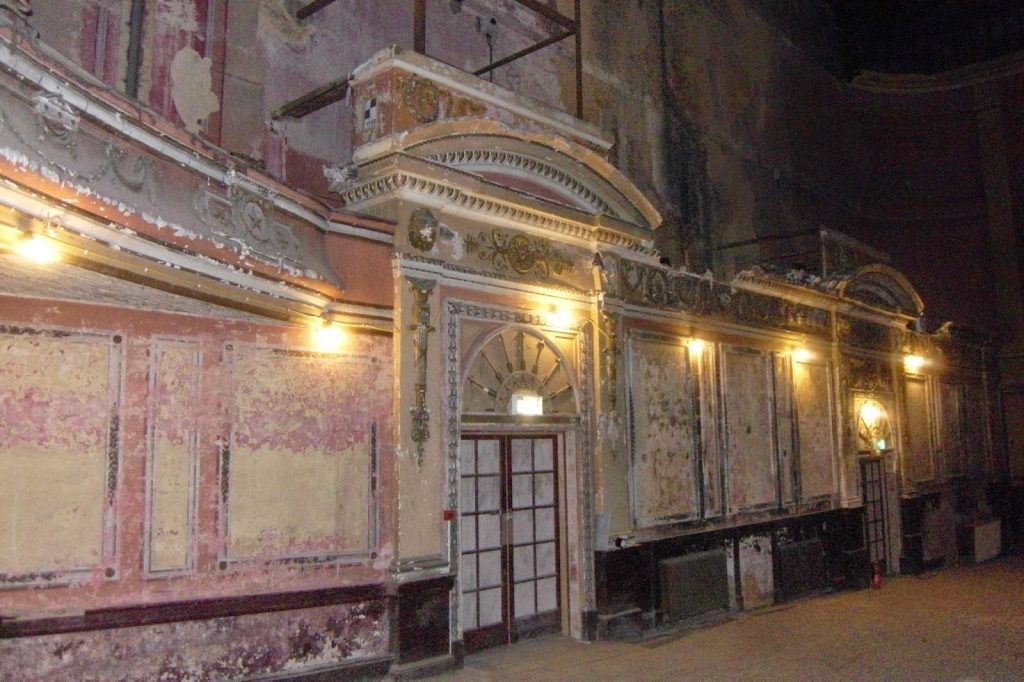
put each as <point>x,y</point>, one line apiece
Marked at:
<point>883,287</point>
<point>537,164</point>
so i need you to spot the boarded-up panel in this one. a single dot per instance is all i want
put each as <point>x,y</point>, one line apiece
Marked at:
<point>299,466</point>
<point>919,446</point>
<point>951,428</point>
<point>58,405</point>
<point>813,395</point>
<point>172,439</point>
<point>664,431</point>
<point>750,451</point>
<point>1013,417</point>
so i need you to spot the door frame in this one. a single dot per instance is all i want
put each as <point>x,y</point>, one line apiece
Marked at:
<point>567,500</point>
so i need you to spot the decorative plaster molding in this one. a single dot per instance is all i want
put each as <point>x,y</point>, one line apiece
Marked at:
<point>527,164</point>
<point>446,194</point>
<point>520,253</point>
<point>421,289</point>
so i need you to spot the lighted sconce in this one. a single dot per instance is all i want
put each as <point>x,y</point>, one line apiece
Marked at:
<point>696,346</point>
<point>526,403</point>
<point>560,317</point>
<point>914,363</point>
<point>328,337</point>
<point>802,355</point>
<point>37,249</point>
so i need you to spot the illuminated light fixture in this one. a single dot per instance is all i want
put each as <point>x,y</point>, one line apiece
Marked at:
<point>560,317</point>
<point>696,346</point>
<point>37,249</point>
<point>914,363</point>
<point>870,413</point>
<point>802,355</point>
<point>328,337</point>
<point>525,402</point>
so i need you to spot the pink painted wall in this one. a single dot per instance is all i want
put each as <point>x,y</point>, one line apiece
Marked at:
<point>363,396</point>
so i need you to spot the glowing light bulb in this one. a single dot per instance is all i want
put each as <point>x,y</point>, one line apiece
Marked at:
<point>914,363</point>
<point>870,413</point>
<point>38,249</point>
<point>328,337</point>
<point>560,317</point>
<point>696,346</point>
<point>802,355</point>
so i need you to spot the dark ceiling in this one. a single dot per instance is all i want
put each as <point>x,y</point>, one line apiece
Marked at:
<point>924,36</point>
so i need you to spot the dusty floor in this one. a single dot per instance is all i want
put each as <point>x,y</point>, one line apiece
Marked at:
<point>963,623</point>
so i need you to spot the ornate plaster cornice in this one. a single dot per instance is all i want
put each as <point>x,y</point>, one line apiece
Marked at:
<point>401,175</point>
<point>527,164</point>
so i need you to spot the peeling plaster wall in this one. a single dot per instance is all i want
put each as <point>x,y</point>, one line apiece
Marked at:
<point>750,455</point>
<point>223,648</point>
<point>813,402</point>
<point>665,451</point>
<point>114,489</point>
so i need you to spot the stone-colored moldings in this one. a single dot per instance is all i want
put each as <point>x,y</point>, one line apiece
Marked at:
<point>654,286</point>
<point>421,329</point>
<point>58,125</point>
<point>522,254</point>
<point>423,230</point>
<point>246,220</point>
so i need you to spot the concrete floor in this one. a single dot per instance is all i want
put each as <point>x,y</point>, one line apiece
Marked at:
<point>962,623</point>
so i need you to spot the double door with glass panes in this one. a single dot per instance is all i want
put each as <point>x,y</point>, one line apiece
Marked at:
<point>508,529</point>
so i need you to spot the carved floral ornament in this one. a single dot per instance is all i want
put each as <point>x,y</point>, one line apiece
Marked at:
<point>519,253</point>
<point>661,288</point>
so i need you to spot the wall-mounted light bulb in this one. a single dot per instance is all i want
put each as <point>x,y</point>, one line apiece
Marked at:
<point>560,317</point>
<point>802,355</point>
<point>914,363</point>
<point>328,337</point>
<point>696,346</point>
<point>38,249</point>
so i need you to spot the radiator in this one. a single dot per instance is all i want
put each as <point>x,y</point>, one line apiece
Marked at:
<point>801,568</point>
<point>693,584</point>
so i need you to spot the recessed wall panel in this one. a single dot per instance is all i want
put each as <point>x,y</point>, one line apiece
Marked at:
<point>58,460</point>
<point>173,398</point>
<point>665,430</point>
<point>749,438</point>
<point>812,392</point>
<point>919,443</point>
<point>298,472</point>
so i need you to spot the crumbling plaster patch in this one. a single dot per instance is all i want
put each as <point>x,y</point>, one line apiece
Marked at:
<point>192,88</point>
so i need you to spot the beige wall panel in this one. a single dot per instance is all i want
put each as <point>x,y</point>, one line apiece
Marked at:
<point>299,470</point>
<point>55,397</point>
<point>664,423</point>
<point>173,394</point>
<point>918,430</point>
<point>750,454</point>
<point>813,396</point>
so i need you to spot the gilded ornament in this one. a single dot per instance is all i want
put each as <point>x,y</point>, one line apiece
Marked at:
<point>521,254</point>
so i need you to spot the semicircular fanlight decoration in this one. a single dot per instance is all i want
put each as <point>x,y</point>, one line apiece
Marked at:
<point>515,363</point>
